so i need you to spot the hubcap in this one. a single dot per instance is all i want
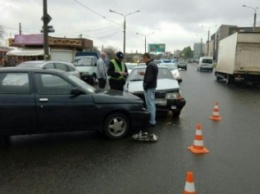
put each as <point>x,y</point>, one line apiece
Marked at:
<point>117,126</point>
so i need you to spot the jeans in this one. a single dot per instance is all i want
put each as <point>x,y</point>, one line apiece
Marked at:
<point>149,95</point>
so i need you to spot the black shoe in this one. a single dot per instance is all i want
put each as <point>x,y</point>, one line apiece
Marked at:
<point>151,125</point>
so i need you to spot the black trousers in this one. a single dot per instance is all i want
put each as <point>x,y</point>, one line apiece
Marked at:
<point>116,84</point>
<point>102,83</point>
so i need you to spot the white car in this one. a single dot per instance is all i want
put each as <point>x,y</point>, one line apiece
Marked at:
<point>167,94</point>
<point>130,66</point>
<point>174,69</point>
<point>60,65</point>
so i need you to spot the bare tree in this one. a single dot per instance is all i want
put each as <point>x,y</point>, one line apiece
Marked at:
<point>111,51</point>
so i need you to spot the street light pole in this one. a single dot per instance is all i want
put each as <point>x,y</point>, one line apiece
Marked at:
<point>208,37</point>
<point>145,39</point>
<point>254,8</point>
<point>124,25</point>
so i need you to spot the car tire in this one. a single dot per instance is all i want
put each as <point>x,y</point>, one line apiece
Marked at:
<point>116,126</point>
<point>176,113</point>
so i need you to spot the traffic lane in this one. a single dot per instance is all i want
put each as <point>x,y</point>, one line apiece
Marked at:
<point>79,163</point>
<point>56,165</point>
<point>233,141</point>
<point>82,161</point>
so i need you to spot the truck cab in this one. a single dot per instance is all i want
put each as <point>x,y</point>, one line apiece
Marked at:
<point>87,66</point>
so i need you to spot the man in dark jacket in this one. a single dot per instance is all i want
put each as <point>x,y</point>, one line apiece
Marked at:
<point>149,85</point>
<point>117,72</point>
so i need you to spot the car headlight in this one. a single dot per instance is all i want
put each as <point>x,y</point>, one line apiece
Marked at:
<point>176,74</point>
<point>171,96</point>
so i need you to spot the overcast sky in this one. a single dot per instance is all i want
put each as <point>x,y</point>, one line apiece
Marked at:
<point>177,23</point>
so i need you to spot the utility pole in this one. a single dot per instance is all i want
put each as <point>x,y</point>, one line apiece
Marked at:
<point>46,18</point>
<point>20,28</point>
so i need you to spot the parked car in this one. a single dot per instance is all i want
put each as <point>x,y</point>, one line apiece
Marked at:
<point>167,94</point>
<point>61,65</point>
<point>174,69</point>
<point>182,65</point>
<point>34,101</point>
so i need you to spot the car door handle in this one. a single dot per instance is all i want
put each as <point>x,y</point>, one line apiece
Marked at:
<point>43,99</point>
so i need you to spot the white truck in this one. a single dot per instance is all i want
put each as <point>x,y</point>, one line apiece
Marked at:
<point>86,64</point>
<point>239,58</point>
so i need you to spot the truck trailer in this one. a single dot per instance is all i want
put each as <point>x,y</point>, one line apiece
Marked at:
<point>239,58</point>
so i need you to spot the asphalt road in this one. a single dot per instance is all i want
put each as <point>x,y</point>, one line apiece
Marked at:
<point>89,163</point>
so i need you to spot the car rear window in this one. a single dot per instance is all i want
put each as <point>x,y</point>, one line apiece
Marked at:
<point>14,83</point>
<point>207,61</point>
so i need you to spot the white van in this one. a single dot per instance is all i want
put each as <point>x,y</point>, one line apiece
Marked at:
<point>205,63</point>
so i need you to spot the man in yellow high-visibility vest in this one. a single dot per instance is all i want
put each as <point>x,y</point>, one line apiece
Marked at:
<point>117,72</point>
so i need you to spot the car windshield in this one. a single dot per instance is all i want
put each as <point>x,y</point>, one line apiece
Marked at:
<point>83,84</point>
<point>171,66</point>
<point>163,73</point>
<point>82,61</point>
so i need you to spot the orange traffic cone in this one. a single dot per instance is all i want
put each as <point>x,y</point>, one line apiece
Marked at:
<point>198,145</point>
<point>189,185</point>
<point>215,115</point>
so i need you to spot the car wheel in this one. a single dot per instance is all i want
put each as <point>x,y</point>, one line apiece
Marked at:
<point>116,126</point>
<point>218,78</point>
<point>176,113</point>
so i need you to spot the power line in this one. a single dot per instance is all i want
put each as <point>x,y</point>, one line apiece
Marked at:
<point>91,10</point>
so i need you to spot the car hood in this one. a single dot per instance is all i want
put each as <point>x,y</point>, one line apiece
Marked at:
<point>162,85</point>
<point>118,97</point>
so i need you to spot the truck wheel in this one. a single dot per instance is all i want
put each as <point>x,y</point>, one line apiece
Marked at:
<point>229,79</point>
<point>116,126</point>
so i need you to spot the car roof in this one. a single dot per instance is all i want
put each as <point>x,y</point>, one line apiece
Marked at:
<point>44,61</point>
<point>144,67</point>
<point>172,63</point>
<point>30,69</point>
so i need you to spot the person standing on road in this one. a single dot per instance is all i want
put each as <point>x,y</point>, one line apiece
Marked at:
<point>102,71</point>
<point>149,85</point>
<point>117,72</point>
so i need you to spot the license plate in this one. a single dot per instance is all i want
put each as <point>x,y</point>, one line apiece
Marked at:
<point>173,107</point>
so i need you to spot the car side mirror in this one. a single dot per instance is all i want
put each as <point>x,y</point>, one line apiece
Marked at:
<point>76,92</point>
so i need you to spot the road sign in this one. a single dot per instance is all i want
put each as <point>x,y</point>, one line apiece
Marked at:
<point>46,19</point>
<point>156,48</point>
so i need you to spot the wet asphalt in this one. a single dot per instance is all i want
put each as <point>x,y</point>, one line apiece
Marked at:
<point>87,162</point>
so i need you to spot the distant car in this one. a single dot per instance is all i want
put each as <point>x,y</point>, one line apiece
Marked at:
<point>182,65</point>
<point>167,94</point>
<point>61,65</point>
<point>34,101</point>
<point>174,69</point>
<point>130,66</point>
<point>205,63</point>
